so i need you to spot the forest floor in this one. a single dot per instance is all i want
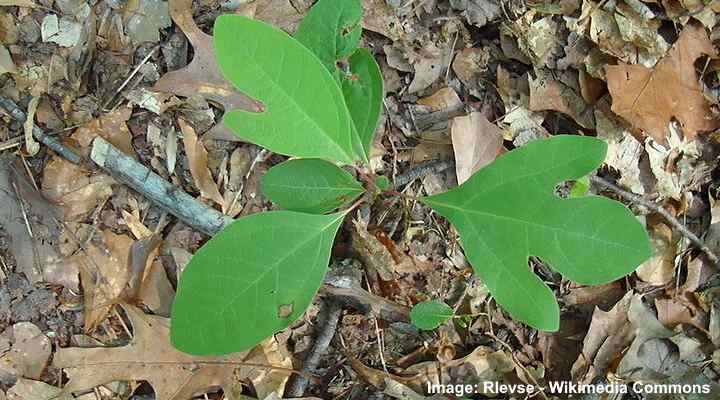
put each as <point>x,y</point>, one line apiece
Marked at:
<point>89,267</point>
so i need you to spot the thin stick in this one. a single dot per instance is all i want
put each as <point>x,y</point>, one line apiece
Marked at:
<point>637,199</point>
<point>151,185</point>
<point>329,326</point>
<point>129,78</point>
<point>420,170</point>
<point>54,144</point>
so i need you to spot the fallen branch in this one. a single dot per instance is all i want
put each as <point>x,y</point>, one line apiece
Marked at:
<point>328,325</point>
<point>156,189</point>
<point>420,170</point>
<point>639,200</point>
<point>51,142</point>
<point>138,177</point>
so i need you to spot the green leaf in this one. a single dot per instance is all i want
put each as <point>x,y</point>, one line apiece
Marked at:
<point>331,30</point>
<point>253,279</point>
<point>364,93</point>
<point>304,110</point>
<point>382,182</point>
<point>507,211</point>
<point>430,314</point>
<point>580,187</point>
<point>310,185</point>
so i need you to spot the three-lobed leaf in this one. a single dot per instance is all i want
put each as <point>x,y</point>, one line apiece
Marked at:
<point>430,314</point>
<point>310,185</point>
<point>304,110</point>
<point>507,212</point>
<point>251,280</point>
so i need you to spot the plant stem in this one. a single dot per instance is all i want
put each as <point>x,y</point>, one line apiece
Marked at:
<point>639,200</point>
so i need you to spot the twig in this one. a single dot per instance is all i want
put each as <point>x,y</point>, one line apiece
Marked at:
<point>637,199</point>
<point>156,189</point>
<point>420,170</point>
<point>53,143</point>
<point>137,176</point>
<point>130,77</point>
<point>329,326</point>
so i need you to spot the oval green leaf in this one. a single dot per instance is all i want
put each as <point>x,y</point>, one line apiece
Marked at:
<point>364,92</point>
<point>304,111</point>
<point>253,279</point>
<point>331,30</point>
<point>507,212</point>
<point>430,314</point>
<point>310,185</point>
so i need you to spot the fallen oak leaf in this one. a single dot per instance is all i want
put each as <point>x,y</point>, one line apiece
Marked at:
<point>650,98</point>
<point>105,273</point>
<point>149,356</point>
<point>202,76</point>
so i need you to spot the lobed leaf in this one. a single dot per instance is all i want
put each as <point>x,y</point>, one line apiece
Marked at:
<point>253,279</point>
<point>304,113</point>
<point>430,314</point>
<point>310,185</point>
<point>507,212</point>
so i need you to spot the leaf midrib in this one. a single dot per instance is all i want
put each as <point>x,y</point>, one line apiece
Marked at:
<point>291,100</point>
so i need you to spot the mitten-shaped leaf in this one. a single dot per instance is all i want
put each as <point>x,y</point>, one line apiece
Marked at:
<point>309,185</point>
<point>304,110</point>
<point>507,212</point>
<point>253,279</point>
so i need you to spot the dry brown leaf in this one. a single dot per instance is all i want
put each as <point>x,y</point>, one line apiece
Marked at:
<point>151,357</point>
<point>28,355</point>
<point>156,291</point>
<point>26,389</point>
<point>372,252</point>
<point>660,268</point>
<point>30,228</point>
<point>73,189</point>
<point>609,333</point>
<point>105,274</point>
<point>267,382</point>
<point>379,17</point>
<point>202,76</point>
<point>650,98</point>
<point>285,14</point>
<point>471,66</point>
<point>476,143</point>
<point>483,364</point>
<point>680,310</point>
<point>444,99</point>
<point>111,127</point>
<point>428,67</point>
<point>550,94</point>
<point>198,162</point>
